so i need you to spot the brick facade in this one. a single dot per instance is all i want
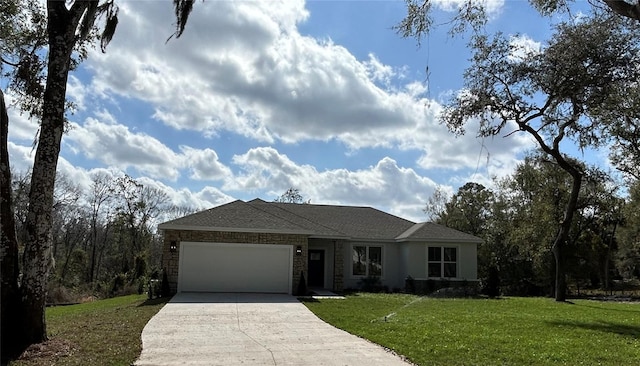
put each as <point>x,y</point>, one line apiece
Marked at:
<point>170,261</point>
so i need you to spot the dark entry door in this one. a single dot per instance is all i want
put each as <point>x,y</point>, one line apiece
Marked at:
<point>316,268</point>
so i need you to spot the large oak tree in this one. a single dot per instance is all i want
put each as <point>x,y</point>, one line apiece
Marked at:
<point>573,91</point>
<point>68,26</point>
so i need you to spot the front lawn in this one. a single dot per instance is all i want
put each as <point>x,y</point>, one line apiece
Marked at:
<point>105,332</point>
<point>509,331</point>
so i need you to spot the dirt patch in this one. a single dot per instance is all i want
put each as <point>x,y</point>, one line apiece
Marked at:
<point>48,352</point>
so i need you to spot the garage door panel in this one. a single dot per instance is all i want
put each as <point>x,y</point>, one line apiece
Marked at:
<point>224,267</point>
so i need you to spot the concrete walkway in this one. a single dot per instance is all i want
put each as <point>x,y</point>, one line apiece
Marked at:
<point>250,329</point>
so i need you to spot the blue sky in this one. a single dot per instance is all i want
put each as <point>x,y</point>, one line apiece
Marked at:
<point>257,97</point>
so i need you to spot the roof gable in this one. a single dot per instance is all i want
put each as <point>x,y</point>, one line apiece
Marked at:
<point>429,231</point>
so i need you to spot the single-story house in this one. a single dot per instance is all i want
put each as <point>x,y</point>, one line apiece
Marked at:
<point>260,246</point>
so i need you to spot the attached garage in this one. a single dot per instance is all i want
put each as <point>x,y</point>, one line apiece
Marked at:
<point>233,267</point>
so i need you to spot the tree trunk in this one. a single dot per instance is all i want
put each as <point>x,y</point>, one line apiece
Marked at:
<point>94,239</point>
<point>565,226</point>
<point>607,262</point>
<point>61,27</point>
<point>10,290</point>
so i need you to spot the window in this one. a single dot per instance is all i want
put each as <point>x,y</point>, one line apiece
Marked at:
<point>442,262</point>
<point>366,260</point>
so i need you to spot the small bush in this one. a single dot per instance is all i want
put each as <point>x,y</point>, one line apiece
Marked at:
<point>302,285</point>
<point>165,289</point>
<point>492,285</point>
<point>155,275</point>
<point>61,295</point>
<point>371,284</point>
<point>410,285</point>
<point>140,267</point>
<point>141,285</point>
<point>118,283</point>
<point>155,289</point>
<point>121,286</point>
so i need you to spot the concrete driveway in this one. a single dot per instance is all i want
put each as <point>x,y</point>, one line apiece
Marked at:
<point>250,329</point>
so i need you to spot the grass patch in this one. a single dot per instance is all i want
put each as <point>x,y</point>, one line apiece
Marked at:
<point>105,332</point>
<point>509,331</point>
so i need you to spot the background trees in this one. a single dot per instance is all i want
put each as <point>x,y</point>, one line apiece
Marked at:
<point>580,88</point>
<point>292,195</point>
<point>96,245</point>
<point>519,220</point>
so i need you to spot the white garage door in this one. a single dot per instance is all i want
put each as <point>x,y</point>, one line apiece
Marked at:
<point>223,267</point>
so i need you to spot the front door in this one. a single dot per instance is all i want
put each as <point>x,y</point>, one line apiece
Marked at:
<point>316,268</point>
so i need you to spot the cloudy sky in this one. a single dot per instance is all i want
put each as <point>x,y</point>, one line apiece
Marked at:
<point>260,96</point>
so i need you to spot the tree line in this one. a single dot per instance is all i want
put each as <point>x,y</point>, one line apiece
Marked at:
<point>518,219</point>
<point>104,241</point>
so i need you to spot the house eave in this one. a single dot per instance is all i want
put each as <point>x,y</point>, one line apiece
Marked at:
<point>438,240</point>
<point>372,240</point>
<point>330,237</point>
<point>232,229</point>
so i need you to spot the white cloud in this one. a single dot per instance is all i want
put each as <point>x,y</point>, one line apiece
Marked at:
<point>204,164</point>
<point>522,47</point>
<point>244,68</point>
<point>205,198</point>
<point>21,127</point>
<point>379,71</point>
<point>385,185</point>
<point>258,77</point>
<point>492,7</point>
<point>20,157</point>
<point>491,154</point>
<point>115,145</point>
<point>77,92</point>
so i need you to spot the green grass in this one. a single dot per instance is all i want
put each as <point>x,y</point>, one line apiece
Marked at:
<point>509,331</point>
<point>105,332</point>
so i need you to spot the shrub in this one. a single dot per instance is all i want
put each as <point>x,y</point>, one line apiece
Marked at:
<point>118,283</point>
<point>371,284</point>
<point>140,267</point>
<point>155,275</point>
<point>492,285</point>
<point>302,285</point>
<point>410,285</point>
<point>165,289</point>
<point>141,282</point>
<point>155,289</point>
<point>60,295</point>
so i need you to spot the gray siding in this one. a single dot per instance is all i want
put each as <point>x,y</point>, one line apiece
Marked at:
<point>392,268</point>
<point>414,258</point>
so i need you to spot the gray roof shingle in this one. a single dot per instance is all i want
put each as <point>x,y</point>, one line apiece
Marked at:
<point>326,221</point>
<point>429,231</point>
<point>234,215</point>
<point>352,221</point>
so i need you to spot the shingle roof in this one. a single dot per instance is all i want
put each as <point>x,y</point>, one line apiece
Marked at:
<point>237,215</point>
<point>325,221</point>
<point>434,232</point>
<point>351,221</point>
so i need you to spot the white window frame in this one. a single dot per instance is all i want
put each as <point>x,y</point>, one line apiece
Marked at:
<point>442,261</point>
<point>367,260</point>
